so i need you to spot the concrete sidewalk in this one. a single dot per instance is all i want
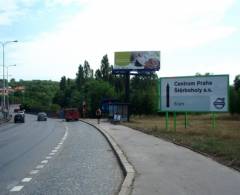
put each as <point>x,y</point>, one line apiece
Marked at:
<point>167,169</point>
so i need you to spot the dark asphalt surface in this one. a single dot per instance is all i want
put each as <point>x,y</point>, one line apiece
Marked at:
<point>85,164</point>
<point>22,146</point>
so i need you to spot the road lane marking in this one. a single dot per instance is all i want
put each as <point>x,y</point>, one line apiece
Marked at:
<point>16,189</point>
<point>34,172</point>
<point>39,166</point>
<point>44,161</point>
<point>27,179</point>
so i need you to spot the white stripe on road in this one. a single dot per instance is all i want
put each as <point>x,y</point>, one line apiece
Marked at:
<point>39,166</point>
<point>34,172</point>
<point>27,179</point>
<point>16,189</point>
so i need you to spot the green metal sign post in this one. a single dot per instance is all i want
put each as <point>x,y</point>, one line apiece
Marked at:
<point>186,120</point>
<point>175,120</point>
<point>213,120</point>
<point>166,120</point>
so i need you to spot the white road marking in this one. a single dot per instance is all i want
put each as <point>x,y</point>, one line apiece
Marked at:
<point>16,189</point>
<point>27,179</point>
<point>39,166</point>
<point>34,172</point>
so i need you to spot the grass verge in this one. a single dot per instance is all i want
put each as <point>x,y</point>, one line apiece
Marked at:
<point>222,143</point>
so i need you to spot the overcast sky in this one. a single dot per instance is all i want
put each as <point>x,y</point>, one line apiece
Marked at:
<point>55,36</point>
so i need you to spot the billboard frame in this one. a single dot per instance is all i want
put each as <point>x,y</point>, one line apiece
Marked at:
<point>187,111</point>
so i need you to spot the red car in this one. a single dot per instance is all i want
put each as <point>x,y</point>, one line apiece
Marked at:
<point>71,114</point>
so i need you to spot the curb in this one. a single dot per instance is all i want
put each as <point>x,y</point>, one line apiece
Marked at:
<point>129,172</point>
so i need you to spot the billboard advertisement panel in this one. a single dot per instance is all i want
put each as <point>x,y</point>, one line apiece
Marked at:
<point>137,60</point>
<point>194,94</point>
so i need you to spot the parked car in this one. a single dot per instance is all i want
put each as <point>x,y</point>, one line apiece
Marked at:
<point>19,118</point>
<point>21,112</point>
<point>42,116</point>
<point>71,114</point>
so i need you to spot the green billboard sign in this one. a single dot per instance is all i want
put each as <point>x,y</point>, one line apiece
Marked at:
<point>194,94</point>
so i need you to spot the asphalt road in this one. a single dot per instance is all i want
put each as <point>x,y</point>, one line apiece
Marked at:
<point>56,157</point>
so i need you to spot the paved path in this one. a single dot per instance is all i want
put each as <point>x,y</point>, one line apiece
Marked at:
<point>167,169</point>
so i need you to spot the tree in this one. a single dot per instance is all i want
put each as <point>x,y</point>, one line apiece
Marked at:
<point>38,95</point>
<point>98,75</point>
<point>234,100</point>
<point>237,82</point>
<point>206,74</point>
<point>59,98</point>
<point>62,83</point>
<point>119,85</point>
<point>12,83</point>
<point>88,72</point>
<point>76,99</point>
<point>143,96</point>
<point>94,92</point>
<point>80,77</point>
<point>105,69</point>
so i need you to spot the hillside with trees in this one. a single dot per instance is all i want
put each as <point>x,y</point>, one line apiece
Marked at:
<point>91,88</point>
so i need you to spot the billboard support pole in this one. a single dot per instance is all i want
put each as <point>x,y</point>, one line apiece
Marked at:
<point>166,120</point>
<point>186,120</point>
<point>127,78</point>
<point>175,120</point>
<point>213,120</point>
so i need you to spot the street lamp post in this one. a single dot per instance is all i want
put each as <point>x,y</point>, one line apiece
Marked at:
<point>7,86</point>
<point>3,48</point>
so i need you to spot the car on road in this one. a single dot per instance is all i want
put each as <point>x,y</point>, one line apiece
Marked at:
<point>71,114</point>
<point>21,112</point>
<point>42,116</point>
<point>19,118</point>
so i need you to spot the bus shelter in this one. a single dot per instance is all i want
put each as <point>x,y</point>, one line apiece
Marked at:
<point>121,109</point>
